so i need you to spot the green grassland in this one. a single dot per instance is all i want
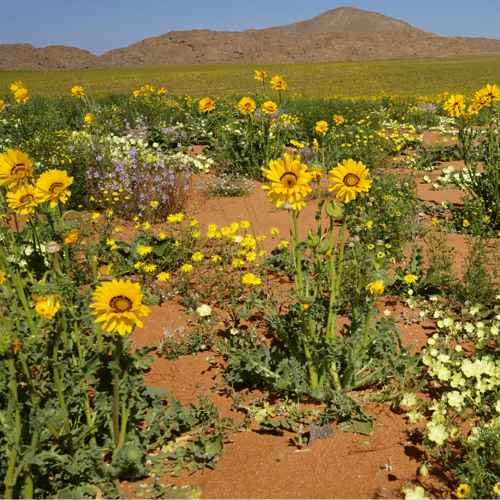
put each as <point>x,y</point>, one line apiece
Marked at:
<point>419,78</point>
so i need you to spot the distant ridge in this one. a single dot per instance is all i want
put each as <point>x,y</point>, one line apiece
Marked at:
<point>348,19</point>
<point>342,34</point>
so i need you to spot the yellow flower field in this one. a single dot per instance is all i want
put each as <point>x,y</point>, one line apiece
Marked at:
<point>429,77</point>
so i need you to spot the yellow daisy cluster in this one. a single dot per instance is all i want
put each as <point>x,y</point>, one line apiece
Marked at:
<point>24,197</point>
<point>20,92</point>
<point>144,89</point>
<point>455,105</point>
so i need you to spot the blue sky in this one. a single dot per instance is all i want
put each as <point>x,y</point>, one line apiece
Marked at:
<point>102,25</point>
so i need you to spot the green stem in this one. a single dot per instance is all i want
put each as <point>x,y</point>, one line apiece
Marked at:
<point>20,290</point>
<point>297,253</point>
<point>116,393</point>
<point>57,380</point>
<point>9,481</point>
<point>367,324</point>
<point>335,275</point>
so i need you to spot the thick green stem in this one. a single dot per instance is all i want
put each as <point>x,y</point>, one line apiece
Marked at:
<point>9,481</point>
<point>367,324</point>
<point>116,393</point>
<point>335,275</point>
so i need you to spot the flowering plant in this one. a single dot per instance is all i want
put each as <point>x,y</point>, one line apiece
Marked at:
<point>309,329</point>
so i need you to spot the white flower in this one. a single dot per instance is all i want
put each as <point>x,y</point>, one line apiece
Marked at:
<point>448,322</point>
<point>443,373</point>
<point>414,416</point>
<point>437,433</point>
<point>409,399</point>
<point>417,494</point>
<point>444,358</point>
<point>204,310</point>
<point>469,327</point>
<point>456,399</point>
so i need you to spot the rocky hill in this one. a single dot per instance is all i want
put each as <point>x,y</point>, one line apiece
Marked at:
<point>342,34</point>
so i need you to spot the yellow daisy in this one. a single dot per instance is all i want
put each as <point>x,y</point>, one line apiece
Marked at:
<point>455,105</point>
<point>78,91</point>
<point>246,105</point>
<point>269,107</point>
<point>207,104</point>
<point>251,279</point>
<point>410,278</point>
<point>70,237</point>
<point>260,74</point>
<point>278,83</point>
<point>17,86</point>
<point>321,127</point>
<point>53,185</point>
<point>376,287</point>
<point>21,95</point>
<point>15,166</point>
<point>289,181</point>
<point>488,94</point>
<point>463,490</point>
<point>47,306</point>
<point>119,304</point>
<point>89,118</point>
<point>23,199</point>
<point>349,179</point>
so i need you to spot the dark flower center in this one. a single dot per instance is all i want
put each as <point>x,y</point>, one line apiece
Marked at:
<point>120,304</point>
<point>288,179</point>
<point>351,180</point>
<point>19,170</point>
<point>26,199</point>
<point>56,188</point>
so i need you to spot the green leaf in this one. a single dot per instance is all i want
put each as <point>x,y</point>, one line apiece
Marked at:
<point>365,428</point>
<point>78,492</point>
<point>156,393</point>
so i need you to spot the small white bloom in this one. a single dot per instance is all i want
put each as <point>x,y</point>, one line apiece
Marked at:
<point>204,310</point>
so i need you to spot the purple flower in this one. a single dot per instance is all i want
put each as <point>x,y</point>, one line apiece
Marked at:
<point>71,148</point>
<point>98,157</point>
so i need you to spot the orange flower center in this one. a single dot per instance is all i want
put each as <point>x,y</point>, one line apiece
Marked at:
<point>19,170</point>
<point>56,188</point>
<point>288,179</point>
<point>120,304</point>
<point>351,180</point>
